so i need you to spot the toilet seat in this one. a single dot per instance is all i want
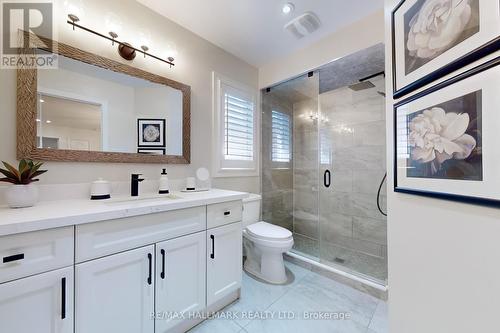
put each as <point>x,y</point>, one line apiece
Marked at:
<point>267,231</point>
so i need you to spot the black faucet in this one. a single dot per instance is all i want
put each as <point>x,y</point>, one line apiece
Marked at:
<point>134,187</point>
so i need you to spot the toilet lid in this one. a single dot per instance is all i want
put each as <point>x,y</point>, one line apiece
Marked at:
<point>268,230</point>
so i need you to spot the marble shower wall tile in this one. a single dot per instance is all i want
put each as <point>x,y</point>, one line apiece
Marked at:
<point>360,158</point>
<point>373,230</point>
<point>369,134</point>
<point>368,181</point>
<point>333,225</point>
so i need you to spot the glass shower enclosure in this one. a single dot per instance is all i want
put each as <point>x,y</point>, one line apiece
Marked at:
<point>323,163</point>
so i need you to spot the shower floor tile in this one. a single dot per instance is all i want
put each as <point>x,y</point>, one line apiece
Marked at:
<point>307,293</point>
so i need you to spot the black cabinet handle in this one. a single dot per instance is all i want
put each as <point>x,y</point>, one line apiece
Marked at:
<point>212,255</point>
<point>327,178</point>
<point>150,277</point>
<point>162,274</point>
<point>63,298</point>
<point>14,257</point>
<point>227,213</point>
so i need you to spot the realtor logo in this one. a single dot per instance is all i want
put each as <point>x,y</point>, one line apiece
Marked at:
<point>27,33</point>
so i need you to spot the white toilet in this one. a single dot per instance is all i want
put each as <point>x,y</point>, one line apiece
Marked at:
<point>264,244</point>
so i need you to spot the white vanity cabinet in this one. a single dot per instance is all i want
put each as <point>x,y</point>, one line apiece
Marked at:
<point>132,269</point>
<point>224,261</point>
<point>180,279</point>
<point>116,293</point>
<point>40,303</point>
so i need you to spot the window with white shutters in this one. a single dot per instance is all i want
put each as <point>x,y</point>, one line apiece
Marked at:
<point>236,117</point>
<point>281,138</point>
<point>239,128</point>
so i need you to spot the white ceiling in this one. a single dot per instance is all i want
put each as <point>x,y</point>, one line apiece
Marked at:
<point>253,29</point>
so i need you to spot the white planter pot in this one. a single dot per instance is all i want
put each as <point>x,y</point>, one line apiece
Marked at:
<point>20,196</point>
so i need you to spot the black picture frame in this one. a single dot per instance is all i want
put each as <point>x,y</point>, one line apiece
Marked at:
<point>467,59</point>
<point>150,151</point>
<point>162,143</point>
<point>432,194</point>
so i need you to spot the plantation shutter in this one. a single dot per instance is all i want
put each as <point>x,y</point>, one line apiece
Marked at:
<point>281,138</point>
<point>238,128</point>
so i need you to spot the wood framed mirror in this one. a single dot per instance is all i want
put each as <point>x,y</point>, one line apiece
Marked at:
<point>94,109</point>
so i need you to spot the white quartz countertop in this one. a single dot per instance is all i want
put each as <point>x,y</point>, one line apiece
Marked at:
<point>54,214</point>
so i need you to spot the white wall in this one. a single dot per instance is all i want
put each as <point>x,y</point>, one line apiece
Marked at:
<point>444,257</point>
<point>357,36</point>
<point>195,61</point>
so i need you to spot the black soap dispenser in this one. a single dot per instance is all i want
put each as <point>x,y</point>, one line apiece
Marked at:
<point>164,183</point>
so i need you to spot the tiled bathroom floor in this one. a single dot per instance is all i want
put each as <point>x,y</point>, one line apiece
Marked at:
<point>308,291</point>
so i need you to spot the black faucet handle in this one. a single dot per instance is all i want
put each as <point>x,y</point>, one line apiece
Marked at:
<point>135,176</point>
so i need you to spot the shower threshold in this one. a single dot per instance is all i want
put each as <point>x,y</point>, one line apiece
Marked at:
<point>364,284</point>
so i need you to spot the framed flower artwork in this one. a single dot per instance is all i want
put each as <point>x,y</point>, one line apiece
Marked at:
<point>433,38</point>
<point>151,133</point>
<point>446,138</point>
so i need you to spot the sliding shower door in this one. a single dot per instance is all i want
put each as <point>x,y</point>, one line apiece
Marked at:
<point>290,160</point>
<point>323,162</point>
<point>352,161</point>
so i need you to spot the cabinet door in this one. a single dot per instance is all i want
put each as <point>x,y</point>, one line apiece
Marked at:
<point>180,279</point>
<point>41,303</point>
<point>116,293</point>
<point>224,261</point>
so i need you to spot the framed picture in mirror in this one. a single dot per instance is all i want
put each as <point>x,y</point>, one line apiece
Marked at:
<point>446,138</point>
<point>433,38</point>
<point>151,133</point>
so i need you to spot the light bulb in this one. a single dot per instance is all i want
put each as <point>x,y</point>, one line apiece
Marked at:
<point>288,8</point>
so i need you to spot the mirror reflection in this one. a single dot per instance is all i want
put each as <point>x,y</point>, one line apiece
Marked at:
<point>85,107</point>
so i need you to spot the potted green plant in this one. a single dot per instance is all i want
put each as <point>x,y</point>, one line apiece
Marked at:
<point>22,192</point>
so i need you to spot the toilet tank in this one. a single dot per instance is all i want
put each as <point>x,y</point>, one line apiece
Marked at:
<point>251,209</point>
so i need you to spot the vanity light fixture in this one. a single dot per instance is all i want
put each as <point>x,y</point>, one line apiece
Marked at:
<point>48,121</point>
<point>126,51</point>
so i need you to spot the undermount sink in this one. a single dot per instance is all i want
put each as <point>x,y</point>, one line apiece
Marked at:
<point>144,198</point>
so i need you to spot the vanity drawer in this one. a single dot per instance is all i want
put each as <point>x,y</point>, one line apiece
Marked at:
<point>224,213</point>
<point>35,252</point>
<point>100,239</point>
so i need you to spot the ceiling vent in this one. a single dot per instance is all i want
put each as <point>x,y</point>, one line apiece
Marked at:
<point>303,25</point>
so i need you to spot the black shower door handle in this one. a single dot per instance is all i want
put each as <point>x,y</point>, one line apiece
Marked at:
<point>327,178</point>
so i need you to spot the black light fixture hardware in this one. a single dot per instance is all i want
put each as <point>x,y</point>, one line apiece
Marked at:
<point>73,19</point>
<point>125,50</point>
<point>113,35</point>
<point>144,49</point>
